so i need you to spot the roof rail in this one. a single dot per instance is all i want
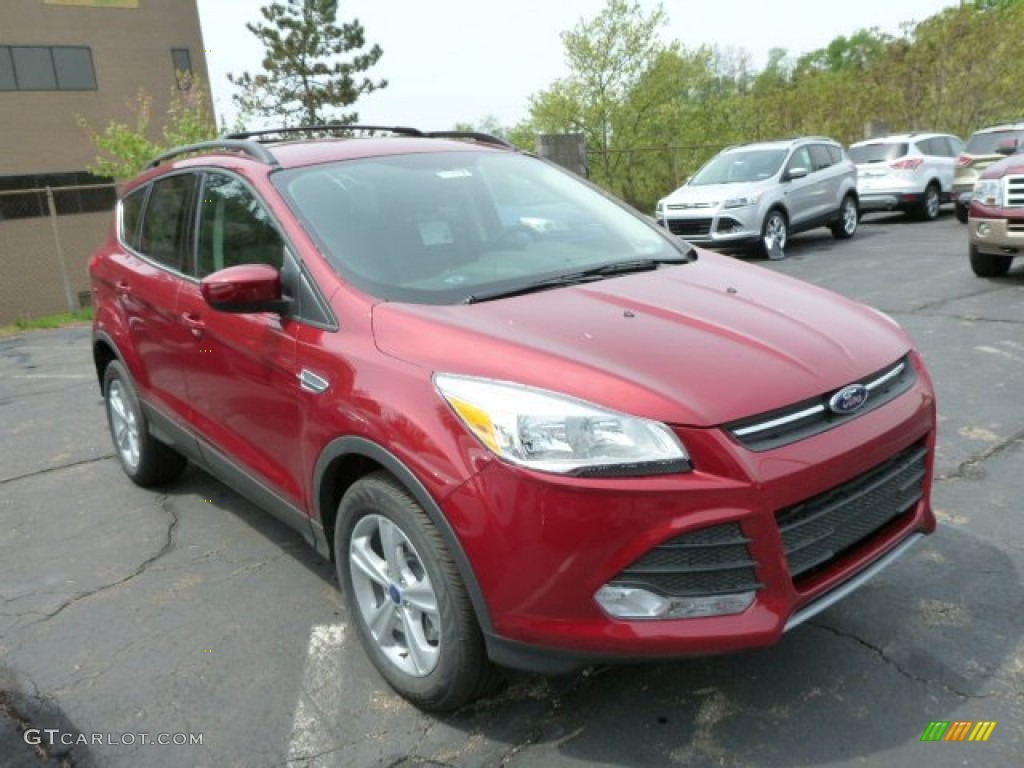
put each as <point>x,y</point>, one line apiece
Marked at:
<point>483,138</point>
<point>249,148</point>
<point>324,128</point>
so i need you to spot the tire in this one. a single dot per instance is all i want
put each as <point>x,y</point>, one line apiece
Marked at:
<point>846,225</point>
<point>961,213</point>
<point>930,206</point>
<point>419,629</point>
<point>774,226</point>
<point>988,264</point>
<point>146,460</point>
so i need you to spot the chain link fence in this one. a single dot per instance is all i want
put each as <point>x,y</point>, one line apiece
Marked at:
<point>46,238</point>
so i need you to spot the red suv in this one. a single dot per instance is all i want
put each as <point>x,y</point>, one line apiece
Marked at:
<point>531,428</point>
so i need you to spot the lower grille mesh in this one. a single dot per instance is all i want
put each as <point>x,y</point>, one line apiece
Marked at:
<point>711,561</point>
<point>819,530</point>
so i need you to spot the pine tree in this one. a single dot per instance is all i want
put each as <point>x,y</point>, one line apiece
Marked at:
<point>304,79</point>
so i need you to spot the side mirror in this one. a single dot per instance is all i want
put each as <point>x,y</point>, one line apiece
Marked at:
<point>795,173</point>
<point>1006,148</point>
<point>245,288</point>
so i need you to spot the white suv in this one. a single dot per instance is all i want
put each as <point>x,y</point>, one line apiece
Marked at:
<point>753,196</point>
<point>911,172</point>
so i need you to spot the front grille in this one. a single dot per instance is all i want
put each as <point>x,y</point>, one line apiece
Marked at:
<point>819,530</point>
<point>1014,191</point>
<point>689,227</point>
<point>710,561</point>
<point>811,417</point>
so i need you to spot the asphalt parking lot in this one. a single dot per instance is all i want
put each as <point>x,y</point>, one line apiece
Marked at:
<point>129,617</point>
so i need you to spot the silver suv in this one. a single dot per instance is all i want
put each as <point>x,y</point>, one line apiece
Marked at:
<point>753,196</point>
<point>912,172</point>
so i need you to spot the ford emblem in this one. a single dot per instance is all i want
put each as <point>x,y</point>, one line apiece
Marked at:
<point>848,399</point>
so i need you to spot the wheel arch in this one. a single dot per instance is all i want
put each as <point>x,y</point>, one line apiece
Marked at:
<point>344,461</point>
<point>104,352</point>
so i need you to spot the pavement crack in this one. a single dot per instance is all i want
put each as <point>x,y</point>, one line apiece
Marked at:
<point>58,468</point>
<point>167,546</point>
<point>881,654</point>
<point>970,468</point>
<point>22,724</point>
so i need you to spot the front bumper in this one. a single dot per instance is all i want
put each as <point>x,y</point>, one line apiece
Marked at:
<point>542,546</point>
<point>716,228</point>
<point>996,233</point>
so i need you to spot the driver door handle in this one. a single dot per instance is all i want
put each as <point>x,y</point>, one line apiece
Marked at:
<point>193,322</point>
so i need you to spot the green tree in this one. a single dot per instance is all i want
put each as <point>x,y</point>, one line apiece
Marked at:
<point>303,80</point>
<point>126,147</point>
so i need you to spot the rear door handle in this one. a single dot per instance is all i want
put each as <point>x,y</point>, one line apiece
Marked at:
<point>123,288</point>
<point>193,322</point>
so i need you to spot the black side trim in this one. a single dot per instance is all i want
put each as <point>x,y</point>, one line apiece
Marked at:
<point>228,472</point>
<point>358,446</point>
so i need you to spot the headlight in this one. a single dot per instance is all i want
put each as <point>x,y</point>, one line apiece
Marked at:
<point>741,202</point>
<point>659,210</point>
<point>550,432</point>
<point>988,192</point>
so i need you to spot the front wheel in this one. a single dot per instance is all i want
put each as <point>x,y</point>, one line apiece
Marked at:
<point>988,264</point>
<point>146,460</point>
<point>774,232</point>
<point>845,227</point>
<point>411,610</point>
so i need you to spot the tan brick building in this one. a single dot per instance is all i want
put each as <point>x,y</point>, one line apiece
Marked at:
<point>62,60</point>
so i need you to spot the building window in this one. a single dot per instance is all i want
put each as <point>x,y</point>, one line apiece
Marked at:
<point>182,60</point>
<point>74,192</point>
<point>46,68</point>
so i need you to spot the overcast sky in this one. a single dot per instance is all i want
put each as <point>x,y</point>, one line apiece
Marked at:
<point>451,61</point>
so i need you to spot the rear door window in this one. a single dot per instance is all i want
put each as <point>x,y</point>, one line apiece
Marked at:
<point>820,158</point>
<point>166,226</point>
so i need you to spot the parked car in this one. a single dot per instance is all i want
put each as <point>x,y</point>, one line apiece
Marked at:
<point>530,427</point>
<point>995,226</point>
<point>987,146</point>
<point>752,196</point>
<point>912,172</point>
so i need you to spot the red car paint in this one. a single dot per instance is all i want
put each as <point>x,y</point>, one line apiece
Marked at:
<point>695,346</point>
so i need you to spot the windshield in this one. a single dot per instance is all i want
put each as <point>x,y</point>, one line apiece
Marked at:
<point>740,166</point>
<point>987,143</point>
<point>441,227</point>
<point>877,153</point>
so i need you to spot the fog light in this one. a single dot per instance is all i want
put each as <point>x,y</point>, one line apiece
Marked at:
<point>636,603</point>
<point>984,229</point>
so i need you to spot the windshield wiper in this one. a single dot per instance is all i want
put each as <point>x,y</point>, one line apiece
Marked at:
<point>575,278</point>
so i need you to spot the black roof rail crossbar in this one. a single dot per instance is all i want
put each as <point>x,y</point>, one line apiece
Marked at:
<point>326,128</point>
<point>250,148</point>
<point>483,138</point>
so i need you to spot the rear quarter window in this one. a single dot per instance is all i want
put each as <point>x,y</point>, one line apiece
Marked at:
<point>131,217</point>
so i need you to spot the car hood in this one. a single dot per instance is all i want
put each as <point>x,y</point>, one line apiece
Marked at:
<point>1014,164</point>
<point>699,344</point>
<point>714,194</point>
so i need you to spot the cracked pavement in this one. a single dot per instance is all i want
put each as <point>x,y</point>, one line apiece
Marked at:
<point>187,610</point>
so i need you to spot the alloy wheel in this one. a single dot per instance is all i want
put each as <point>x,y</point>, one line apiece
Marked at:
<point>395,597</point>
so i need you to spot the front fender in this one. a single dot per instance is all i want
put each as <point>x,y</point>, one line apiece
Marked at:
<point>362,447</point>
